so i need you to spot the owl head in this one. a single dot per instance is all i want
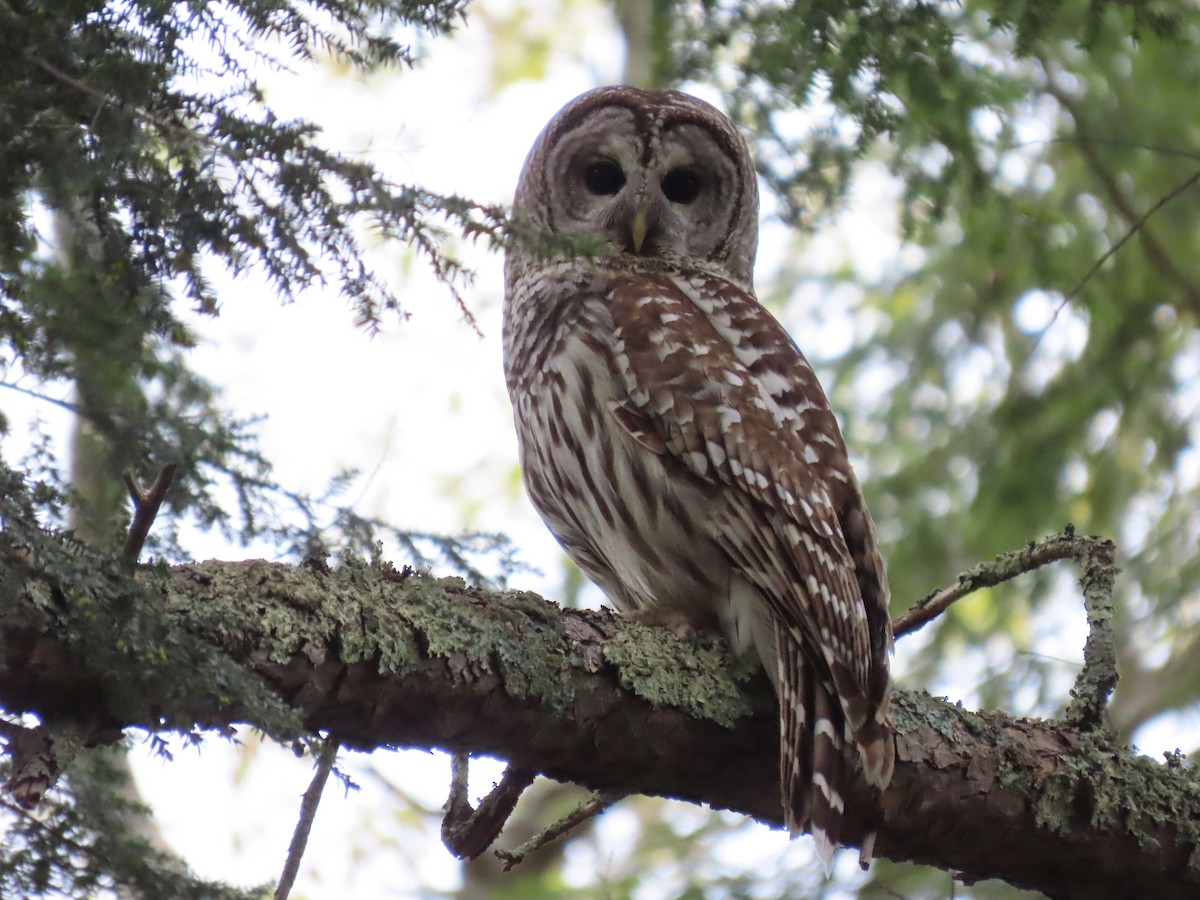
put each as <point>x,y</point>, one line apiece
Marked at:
<point>658,174</point>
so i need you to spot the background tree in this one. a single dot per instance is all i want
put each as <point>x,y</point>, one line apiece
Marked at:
<point>1004,374</point>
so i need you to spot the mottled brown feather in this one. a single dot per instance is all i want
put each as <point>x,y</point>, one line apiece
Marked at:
<point>676,441</point>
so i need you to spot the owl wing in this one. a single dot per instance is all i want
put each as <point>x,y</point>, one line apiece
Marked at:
<point>716,382</point>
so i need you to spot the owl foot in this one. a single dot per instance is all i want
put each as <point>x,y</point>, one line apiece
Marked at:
<point>676,621</point>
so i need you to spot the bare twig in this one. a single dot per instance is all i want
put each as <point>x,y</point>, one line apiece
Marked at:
<point>467,831</point>
<point>1003,568</point>
<point>1135,227</point>
<point>308,812</point>
<point>145,508</point>
<point>1095,557</point>
<point>589,809</point>
<point>1156,251</point>
<point>458,805</point>
<point>46,398</point>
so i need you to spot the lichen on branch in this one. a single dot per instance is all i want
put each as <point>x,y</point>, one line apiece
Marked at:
<point>379,658</point>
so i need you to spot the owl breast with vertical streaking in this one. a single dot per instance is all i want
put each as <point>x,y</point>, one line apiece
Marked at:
<point>676,441</point>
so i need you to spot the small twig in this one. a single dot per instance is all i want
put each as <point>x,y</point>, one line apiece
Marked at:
<point>1094,684</point>
<point>867,850</point>
<point>1098,677</point>
<point>38,395</point>
<point>1003,568</point>
<point>584,812</point>
<point>458,803</point>
<point>467,831</point>
<point>145,508</point>
<point>308,812</point>
<point>1138,223</point>
<point>104,100</point>
<point>1134,228</point>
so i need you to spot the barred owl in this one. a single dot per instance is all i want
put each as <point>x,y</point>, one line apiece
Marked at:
<point>676,441</point>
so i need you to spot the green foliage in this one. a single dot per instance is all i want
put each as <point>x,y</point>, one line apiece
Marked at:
<point>104,614</point>
<point>1005,384</point>
<point>148,115</point>
<point>889,70</point>
<point>141,129</point>
<point>59,852</point>
<point>140,157</point>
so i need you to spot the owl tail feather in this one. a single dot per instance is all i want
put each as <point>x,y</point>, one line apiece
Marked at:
<point>829,769</point>
<point>812,757</point>
<point>876,751</point>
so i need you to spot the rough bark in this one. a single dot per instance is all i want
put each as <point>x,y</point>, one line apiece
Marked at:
<point>378,659</point>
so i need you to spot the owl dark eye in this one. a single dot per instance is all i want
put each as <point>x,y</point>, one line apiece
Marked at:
<point>604,178</point>
<point>681,186</point>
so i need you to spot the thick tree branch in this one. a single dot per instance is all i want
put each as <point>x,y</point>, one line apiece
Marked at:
<point>375,660</point>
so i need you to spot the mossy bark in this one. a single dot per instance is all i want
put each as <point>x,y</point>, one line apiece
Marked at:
<point>380,658</point>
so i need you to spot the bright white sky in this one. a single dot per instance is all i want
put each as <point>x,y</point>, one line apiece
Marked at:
<point>421,408</point>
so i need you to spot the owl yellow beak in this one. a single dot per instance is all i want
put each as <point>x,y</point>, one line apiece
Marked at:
<point>637,229</point>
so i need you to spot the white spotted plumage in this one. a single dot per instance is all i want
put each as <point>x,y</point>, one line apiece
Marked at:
<point>676,441</point>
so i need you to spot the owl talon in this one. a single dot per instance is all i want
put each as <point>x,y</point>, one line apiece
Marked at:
<point>673,620</point>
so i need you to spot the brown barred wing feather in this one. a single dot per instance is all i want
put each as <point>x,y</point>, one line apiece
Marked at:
<point>718,381</point>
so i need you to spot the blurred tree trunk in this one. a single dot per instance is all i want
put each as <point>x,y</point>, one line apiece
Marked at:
<point>646,27</point>
<point>99,513</point>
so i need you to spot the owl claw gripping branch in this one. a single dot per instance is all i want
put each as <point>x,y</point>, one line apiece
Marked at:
<point>675,439</point>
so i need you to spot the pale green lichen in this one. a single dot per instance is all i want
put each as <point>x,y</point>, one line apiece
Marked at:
<point>1052,809</point>
<point>510,633</point>
<point>368,611</point>
<point>1125,788</point>
<point>697,677</point>
<point>913,710</point>
<point>1095,683</point>
<point>283,610</point>
<point>372,613</point>
<point>1115,788</point>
